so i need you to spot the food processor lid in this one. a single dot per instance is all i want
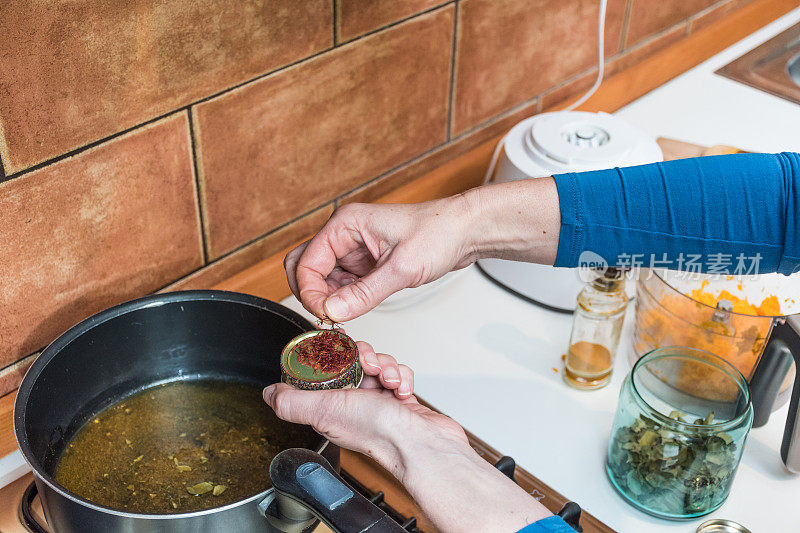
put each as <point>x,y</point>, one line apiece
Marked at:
<point>580,140</point>
<point>572,141</point>
<point>754,289</point>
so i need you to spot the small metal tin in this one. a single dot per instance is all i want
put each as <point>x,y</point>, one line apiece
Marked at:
<point>302,376</point>
<point>719,525</point>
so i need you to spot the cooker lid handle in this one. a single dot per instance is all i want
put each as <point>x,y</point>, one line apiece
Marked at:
<point>306,487</point>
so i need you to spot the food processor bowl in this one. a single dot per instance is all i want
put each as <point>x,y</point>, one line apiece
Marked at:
<point>718,314</point>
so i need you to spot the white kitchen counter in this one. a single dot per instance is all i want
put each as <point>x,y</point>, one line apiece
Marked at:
<point>486,358</point>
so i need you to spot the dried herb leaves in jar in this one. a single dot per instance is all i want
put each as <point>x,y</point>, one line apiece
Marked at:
<point>676,473</point>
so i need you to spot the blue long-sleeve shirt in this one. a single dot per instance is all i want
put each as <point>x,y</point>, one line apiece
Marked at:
<point>711,214</point>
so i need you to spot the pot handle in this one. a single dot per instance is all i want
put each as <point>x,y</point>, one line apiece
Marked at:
<point>25,511</point>
<point>789,333</point>
<point>305,487</point>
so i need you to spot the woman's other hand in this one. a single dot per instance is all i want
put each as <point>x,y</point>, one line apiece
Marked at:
<point>368,419</point>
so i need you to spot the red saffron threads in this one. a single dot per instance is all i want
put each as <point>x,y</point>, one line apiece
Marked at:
<point>326,322</point>
<point>326,352</point>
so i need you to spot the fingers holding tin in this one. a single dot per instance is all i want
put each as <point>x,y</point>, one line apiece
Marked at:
<point>383,371</point>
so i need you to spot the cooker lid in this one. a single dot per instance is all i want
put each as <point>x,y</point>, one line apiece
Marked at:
<point>582,139</point>
<point>575,141</point>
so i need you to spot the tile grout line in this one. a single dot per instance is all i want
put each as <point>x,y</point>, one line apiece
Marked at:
<point>197,187</point>
<point>687,22</point>
<point>9,365</point>
<point>709,9</point>
<point>90,145</point>
<point>614,57</point>
<point>396,22</point>
<point>626,22</point>
<point>251,242</point>
<point>417,158</point>
<point>335,23</point>
<point>695,16</point>
<point>497,118</point>
<point>430,151</point>
<point>451,92</point>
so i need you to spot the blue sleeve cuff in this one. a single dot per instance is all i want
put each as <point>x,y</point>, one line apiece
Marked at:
<point>570,241</point>
<point>551,524</point>
<point>731,211</point>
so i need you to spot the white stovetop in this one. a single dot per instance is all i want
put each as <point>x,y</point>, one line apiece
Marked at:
<point>486,358</point>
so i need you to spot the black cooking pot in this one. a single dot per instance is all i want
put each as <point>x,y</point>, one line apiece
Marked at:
<point>182,335</point>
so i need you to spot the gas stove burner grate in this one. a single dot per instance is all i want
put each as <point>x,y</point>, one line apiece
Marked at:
<point>409,524</point>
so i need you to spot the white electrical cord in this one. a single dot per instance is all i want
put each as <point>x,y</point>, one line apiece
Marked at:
<point>493,162</point>
<point>601,56</point>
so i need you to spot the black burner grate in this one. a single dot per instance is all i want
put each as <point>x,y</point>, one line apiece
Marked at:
<point>409,524</point>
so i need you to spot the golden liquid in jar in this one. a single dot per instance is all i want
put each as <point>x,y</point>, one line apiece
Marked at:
<point>588,366</point>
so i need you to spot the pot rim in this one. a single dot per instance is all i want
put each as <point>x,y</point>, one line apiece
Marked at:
<point>82,327</point>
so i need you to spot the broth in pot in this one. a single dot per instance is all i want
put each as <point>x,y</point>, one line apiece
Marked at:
<point>178,447</point>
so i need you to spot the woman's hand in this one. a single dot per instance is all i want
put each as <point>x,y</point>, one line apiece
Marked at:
<point>382,371</point>
<point>368,419</point>
<point>427,451</point>
<point>366,252</point>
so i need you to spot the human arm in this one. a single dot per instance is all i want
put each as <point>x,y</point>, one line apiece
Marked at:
<point>427,452</point>
<point>746,204</point>
<point>366,252</point>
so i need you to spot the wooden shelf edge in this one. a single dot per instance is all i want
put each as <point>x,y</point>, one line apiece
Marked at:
<point>8,443</point>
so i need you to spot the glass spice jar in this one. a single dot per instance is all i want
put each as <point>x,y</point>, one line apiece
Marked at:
<point>596,327</point>
<point>675,445</point>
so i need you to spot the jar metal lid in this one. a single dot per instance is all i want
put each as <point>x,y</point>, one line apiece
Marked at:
<point>719,525</point>
<point>303,376</point>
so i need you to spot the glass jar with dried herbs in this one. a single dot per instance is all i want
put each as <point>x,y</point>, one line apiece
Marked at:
<point>676,444</point>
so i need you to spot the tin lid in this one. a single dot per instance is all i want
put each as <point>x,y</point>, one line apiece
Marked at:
<point>298,372</point>
<point>719,525</point>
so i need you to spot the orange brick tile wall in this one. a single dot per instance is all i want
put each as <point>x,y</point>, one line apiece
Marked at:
<point>150,144</point>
